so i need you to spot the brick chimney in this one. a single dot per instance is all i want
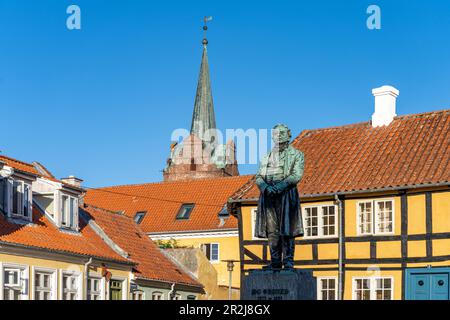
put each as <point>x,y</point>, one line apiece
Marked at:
<point>385,105</point>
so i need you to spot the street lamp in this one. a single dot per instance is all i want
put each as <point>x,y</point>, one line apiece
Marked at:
<point>230,267</point>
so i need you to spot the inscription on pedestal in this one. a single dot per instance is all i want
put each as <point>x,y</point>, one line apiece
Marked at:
<point>298,284</point>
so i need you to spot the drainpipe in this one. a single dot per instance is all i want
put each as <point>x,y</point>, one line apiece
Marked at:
<point>86,277</point>
<point>340,248</point>
<point>172,291</point>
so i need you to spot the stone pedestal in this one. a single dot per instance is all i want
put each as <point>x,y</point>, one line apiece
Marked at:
<point>298,284</point>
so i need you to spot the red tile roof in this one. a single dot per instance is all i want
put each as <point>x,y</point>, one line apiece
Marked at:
<point>151,262</point>
<point>19,165</point>
<point>162,201</point>
<point>43,234</point>
<point>413,150</point>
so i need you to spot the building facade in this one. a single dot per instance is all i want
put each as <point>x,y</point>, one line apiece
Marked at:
<point>375,200</point>
<point>51,250</point>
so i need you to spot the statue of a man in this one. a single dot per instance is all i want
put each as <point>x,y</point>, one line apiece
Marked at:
<point>279,216</point>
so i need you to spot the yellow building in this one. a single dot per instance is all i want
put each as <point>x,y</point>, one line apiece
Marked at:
<point>375,202</point>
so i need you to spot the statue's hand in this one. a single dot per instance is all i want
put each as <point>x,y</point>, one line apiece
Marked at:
<point>270,190</point>
<point>280,187</point>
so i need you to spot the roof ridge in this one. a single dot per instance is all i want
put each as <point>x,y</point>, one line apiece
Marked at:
<point>16,160</point>
<point>120,213</point>
<point>170,182</point>
<point>358,124</point>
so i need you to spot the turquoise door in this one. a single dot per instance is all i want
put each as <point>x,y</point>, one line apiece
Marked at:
<point>427,284</point>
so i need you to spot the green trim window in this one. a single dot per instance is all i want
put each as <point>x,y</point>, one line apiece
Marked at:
<point>115,290</point>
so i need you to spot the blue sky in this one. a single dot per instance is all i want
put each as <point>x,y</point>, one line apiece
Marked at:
<point>101,102</point>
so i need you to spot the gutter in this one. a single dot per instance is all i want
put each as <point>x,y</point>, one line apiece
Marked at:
<point>343,193</point>
<point>66,253</point>
<point>86,277</point>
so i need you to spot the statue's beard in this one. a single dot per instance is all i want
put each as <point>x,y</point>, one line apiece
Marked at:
<point>280,146</point>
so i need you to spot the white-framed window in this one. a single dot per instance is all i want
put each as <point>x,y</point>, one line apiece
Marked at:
<point>95,288</point>
<point>176,296</point>
<point>3,195</point>
<point>69,211</point>
<point>375,217</point>
<point>191,297</point>
<point>327,288</point>
<point>211,250</point>
<point>21,199</point>
<point>253,213</point>
<point>320,221</point>
<point>70,286</point>
<point>44,284</point>
<point>373,288</point>
<point>13,282</point>
<point>156,295</point>
<point>137,295</point>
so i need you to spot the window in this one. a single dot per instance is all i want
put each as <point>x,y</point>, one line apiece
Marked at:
<point>156,295</point>
<point>320,221</point>
<point>211,251</point>
<point>139,217</point>
<point>224,212</point>
<point>176,296</point>
<point>375,217</point>
<point>185,211</point>
<point>21,199</point>
<point>14,282</point>
<point>3,195</point>
<point>69,212</point>
<point>70,286</point>
<point>191,297</point>
<point>94,289</point>
<point>326,288</point>
<point>137,295</point>
<point>43,285</point>
<point>372,288</point>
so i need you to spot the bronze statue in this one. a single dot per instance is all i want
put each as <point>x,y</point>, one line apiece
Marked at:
<point>279,216</point>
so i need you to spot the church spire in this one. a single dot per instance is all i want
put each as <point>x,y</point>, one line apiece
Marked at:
<point>203,117</point>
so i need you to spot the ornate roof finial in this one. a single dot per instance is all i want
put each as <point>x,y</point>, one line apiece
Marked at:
<point>205,28</point>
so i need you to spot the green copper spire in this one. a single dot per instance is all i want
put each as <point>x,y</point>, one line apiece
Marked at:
<point>203,117</point>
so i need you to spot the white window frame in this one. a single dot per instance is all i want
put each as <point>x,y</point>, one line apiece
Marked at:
<point>100,293</point>
<point>24,279</point>
<point>159,294</point>
<point>319,286</point>
<point>137,292</point>
<point>20,200</point>
<point>65,211</point>
<point>372,285</point>
<point>374,231</point>
<point>79,283</point>
<point>53,281</point>
<point>320,234</point>
<point>253,217</point>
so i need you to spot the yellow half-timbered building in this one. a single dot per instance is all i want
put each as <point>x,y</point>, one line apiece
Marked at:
<point>375,201</point>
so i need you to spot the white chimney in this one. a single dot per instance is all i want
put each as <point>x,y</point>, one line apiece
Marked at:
<point>385,105</point>
<point>72,180</point>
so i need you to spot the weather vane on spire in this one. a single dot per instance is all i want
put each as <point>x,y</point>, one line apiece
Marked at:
<point>205,28</point>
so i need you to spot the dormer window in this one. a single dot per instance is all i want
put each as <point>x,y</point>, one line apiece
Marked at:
<point>139,217</point>
<point>185,211</point>
<point>21,196</point>
<point>69,212</point>
<point>15,198</point>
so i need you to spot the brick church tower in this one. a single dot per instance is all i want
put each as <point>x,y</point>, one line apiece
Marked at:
<point>200,155</point>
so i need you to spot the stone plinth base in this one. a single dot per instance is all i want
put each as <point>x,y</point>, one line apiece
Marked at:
<point>298,284</point>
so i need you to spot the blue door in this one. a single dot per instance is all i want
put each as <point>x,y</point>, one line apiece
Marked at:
<point>427,284</point>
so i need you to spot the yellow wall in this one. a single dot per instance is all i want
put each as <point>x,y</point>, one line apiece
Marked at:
<point>388,248</point>
<point>31,262</point>
<point>228,250</point>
